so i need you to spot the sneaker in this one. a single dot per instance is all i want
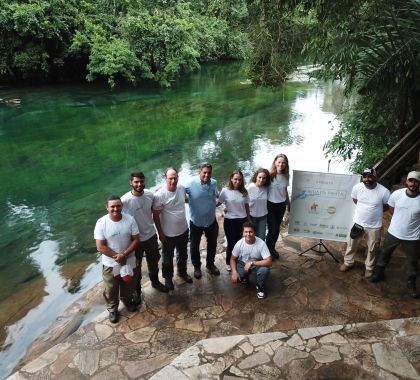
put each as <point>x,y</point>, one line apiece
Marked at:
<point>113,316</point>
<point>169,284</point>
<point>228,268</point>
<point>136,299</point>
<point>197,273</point>
<point>368,273</point>
<point>186,277</point>
<point>159,286</point>
<point>213,270</point>
<point>260,292</point>
<point>344,268</point>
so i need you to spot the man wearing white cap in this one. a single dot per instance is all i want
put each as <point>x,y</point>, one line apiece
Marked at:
<point>371,200</point>
<point>404,229</point>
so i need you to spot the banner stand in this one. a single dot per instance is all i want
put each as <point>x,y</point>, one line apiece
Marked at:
<point>320,245</point>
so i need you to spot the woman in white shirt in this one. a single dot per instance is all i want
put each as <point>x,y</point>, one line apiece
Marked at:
<point>278,200</point>
<point>258,194</point>
<point>235,198</point>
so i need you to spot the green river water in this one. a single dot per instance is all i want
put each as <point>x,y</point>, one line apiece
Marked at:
<point>66,148</point>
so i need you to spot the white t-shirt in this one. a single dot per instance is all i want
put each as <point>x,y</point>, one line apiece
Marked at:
<point>369,208</point>
<point>117,235</point>
<point>405,223</point>
<point>172,204</point>
<point>234,202</point>
<point>251,252</point>
<point>277,190</point>
<point>257,200</point>
<point>140,208</point>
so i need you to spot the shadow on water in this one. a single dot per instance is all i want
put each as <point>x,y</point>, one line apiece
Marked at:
<point>66,148</point>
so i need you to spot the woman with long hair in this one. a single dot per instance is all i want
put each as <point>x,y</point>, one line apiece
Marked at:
<point>235,198</point>
<point>278,200</point>
<point>258,195</point>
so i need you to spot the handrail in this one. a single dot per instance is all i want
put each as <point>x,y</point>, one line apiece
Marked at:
<point>395,157</point>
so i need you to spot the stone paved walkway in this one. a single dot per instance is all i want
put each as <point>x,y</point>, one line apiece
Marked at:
<point>304,292</point>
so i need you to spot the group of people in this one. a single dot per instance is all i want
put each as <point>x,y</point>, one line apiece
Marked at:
<point>140,217</point>
<point>136,220</point>
<point>372,200</point>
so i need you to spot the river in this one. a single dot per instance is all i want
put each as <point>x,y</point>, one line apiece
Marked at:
<point>64,149</point>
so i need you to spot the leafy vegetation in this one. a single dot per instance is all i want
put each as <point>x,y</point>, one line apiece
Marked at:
<point>125,40</point>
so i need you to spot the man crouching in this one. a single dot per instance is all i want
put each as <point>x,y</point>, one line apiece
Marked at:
<point>251,260</point>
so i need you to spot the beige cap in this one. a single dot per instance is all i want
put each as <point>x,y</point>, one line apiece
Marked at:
<point>414,174</point>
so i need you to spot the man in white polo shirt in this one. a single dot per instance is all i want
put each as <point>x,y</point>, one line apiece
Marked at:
<point>371,200</point>
<point>117,237</point>
<point>171,223</point>
<point>404,229</point>
<point>251,260</point>
<point>138,203</point>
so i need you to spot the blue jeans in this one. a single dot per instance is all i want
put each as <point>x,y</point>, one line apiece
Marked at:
<point>256,275</point>
<point>210,233</point>
<point>260,226</point>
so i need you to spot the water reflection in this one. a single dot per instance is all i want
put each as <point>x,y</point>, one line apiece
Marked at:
<point>66,149</point>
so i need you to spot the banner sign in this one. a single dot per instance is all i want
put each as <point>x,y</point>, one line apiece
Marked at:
<point>321,205</point>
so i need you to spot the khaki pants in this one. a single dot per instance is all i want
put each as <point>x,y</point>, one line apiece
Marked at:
<point>116,289</point>
<point>373,237</point>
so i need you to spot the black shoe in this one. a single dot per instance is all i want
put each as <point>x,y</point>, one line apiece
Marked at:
<point>113,316</point>
<point>260,292</point>
<point>159,286</point>
<point>275,255</point>
<point>378,275</point>
<point>169,284</point>
<point>213,270</point>
<point>244,280</point>
<point>131,307</point>
<point>197,273</point>
<point>186,277</point>
<point>136,300</point>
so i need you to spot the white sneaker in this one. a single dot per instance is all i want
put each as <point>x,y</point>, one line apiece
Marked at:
<point>228,268</point>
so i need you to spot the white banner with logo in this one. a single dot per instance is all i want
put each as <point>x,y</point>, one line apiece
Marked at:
<point>321,205</point>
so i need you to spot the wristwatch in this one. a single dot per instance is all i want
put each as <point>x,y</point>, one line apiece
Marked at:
<point>252,264</point>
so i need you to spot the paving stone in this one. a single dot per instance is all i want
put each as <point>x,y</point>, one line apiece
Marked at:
<point>221,345</point>
<point>383,375</point>
<point>141,335</point>
<point>108,356</point>
<point>87,362</point>
<point>390,358</point>
<point>103,331</point>
<point>295,341</point>
<point>333,338</point>
<point>132,352</point>
<point>112,373</point>
<point>313,332</point>
<point>236,371</point>
<point>138,369</point>
<point>189,358</point>
<point>263,322</point>
<point>247,348</point>
<point>298,369</point>
<point>268,350</point>
<point>256,359</point>
<point>169,372</point>
<point>63,361</point>
<point>260,339</point>
<point>326,354</point>
<point>284,355</point>
<point>192,324</point>
<point>17,376</point>
<point>141,320</point>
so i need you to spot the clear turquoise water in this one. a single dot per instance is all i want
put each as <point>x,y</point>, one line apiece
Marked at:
<point>66,148</point>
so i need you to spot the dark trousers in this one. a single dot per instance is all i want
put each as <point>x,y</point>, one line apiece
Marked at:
<point>179,242</point>
<point>275,216</point>
<point>411,249</point>
<point>233,232</point>
<point>150,248</point>
<point>210,233</point>
<point>116,288</point>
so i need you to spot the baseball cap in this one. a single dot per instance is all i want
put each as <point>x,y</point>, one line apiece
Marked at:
<point>369,171</point>
<point>414,174</point>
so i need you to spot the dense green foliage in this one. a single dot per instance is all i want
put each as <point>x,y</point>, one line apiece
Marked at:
<point>372,46</point>
<point>129,40</point>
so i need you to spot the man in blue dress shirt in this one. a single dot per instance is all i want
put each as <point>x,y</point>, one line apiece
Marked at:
<point>202,196</point>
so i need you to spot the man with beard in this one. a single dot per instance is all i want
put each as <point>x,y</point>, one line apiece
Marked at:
<point>202,195</point>
<point>138,203</point>
<point>404,229</point>
<point>371,200</point>
<point>117,237</point>
<point>171,223</point>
